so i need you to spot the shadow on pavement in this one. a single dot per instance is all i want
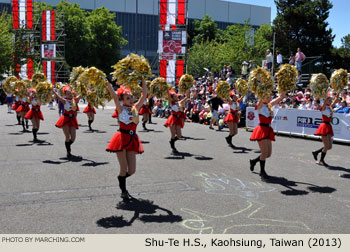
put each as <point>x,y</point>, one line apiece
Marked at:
<point>95,131</point>
<point>75,159</point>
<point>339,168</point>
<point>243,150</point>
<point>139,206</point>
<point>182,155</point>
<point>289,184</point>
<point>192,138</point>
<point>32,143</point>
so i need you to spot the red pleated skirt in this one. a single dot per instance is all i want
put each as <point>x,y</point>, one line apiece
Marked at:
<point>263,132</point>
<point>145,110</point>
<point>34,114</point>
<point>89,109</point>
<point>176,118</point>
<point>115,114</point>
<point>230,117</point>
<point>65,119</point>
<point>24,107</point>
<point>125,141</point>
<point>325,129</point>
<point>16,105</point>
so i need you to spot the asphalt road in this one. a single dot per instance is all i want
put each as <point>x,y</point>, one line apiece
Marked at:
<point>207,189</point>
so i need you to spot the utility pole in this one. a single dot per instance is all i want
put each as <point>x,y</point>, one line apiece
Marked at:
<point>136,33</point>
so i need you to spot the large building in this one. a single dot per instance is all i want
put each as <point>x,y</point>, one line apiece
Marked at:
<point>223,12</point>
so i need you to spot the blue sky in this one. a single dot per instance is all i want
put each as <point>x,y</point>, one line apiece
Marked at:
<point>339,17</point>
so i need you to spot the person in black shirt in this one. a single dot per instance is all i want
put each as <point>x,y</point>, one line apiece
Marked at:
<point>214,103</point>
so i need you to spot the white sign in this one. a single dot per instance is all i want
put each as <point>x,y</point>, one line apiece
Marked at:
<point>304,122</point>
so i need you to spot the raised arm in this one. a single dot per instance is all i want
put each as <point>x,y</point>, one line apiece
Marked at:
<point>259,104</point>
<point>143,97</point>
<point>60,98</point>
<point>186,98</point>
<point>278,99</point>
<point>115,97</point>
<point>336,99</point>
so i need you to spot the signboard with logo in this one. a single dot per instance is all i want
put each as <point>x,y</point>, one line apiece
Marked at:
<point>304,122</point>
<point>48,51</point>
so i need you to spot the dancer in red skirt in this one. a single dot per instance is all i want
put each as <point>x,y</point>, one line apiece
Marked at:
<point>22,111</point>
<point>15,107</point>
<point>125,142</point>
<point>176,120</point>
<point>232,118</point>
<point>263,133</point>
<point>325,129</point>
<point>146,112</point>
<point>90,112</point>
<point>68,121</point>
<point>35,115</point>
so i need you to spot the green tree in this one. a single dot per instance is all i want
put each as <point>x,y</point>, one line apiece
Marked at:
<point>341,56</point>
<point>302,23</point>
<point>5,43</point>
<point>237,43</point>
<point>106,39</point>
<point>203,30</point>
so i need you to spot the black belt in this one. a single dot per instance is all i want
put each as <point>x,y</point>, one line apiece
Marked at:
<point>234,113</point>
<point>25,105</point>
<point>130,132</point>
<point>265,125</point>
<point>326,122</point>
<point>69,115</point>
<point>36,110</point>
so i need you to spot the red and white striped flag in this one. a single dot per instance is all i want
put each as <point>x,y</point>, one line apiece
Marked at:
<point>22,14</point>
<point>26,70</point>
<point>48,25</point>
<point>172,13</point>
<point>49,71</point>
<point>171,70</point>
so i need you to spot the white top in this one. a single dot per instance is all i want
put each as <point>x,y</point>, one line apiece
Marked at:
<point>24,99</point>
<point>269,58</point>
<point>68,105</point>
<point>17,98</point>
<point>145,102</point>
<point>34,102</point>
<point>264,111</point>
<point>175,108</point>
<point>233,106</point>
<point>279,59</point>
<point>327,112</point>
<point>126,116</point>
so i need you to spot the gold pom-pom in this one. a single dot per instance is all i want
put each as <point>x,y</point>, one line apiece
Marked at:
<point>223,89</point>
<point>44,92</point>
<point>76,72</point>
<point>186,83</point>
<point>241,86</point>
<point>260,82</point>
<point>131,69</point>
<point>37,78</point>
<point>20,89</point>
<point>8,85</point>
<point>319,85</point>
<point>159,87</point>
<point>339,79</point>
<point>286,78</point>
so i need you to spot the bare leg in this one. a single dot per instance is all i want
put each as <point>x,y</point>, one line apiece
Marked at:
<point>123,162</point>
<point>131,158</point>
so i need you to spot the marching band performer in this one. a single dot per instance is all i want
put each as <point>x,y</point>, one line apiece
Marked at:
<point>146,112</point>
<point>15,107</point>
<point>175,121</point>
<point>22,111</point>
<point>263,133</point>
<point>35,115</point>
<point>232,118</point>
<point>125,143</point>
<point>325,129</point>
<point>68,121</point>
<point>90,112</point>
